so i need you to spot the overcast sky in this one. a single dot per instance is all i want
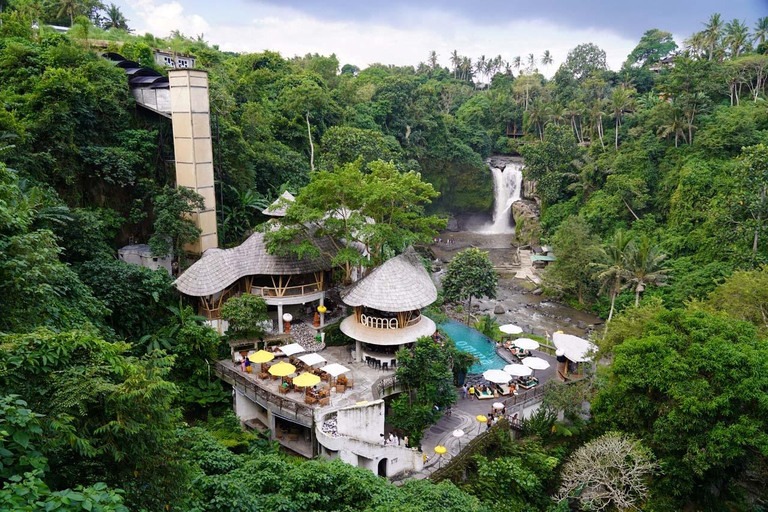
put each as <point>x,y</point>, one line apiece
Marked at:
<point>401,32</point>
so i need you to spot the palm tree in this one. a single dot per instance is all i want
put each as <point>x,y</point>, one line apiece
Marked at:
<point>433,60</point>
<point>596,114</point>
<point>645,267</point>
<point>531,61</point>
<point>546,58</point>
<point>674,124</point>
<point>612,272</point>
<point>761,30</point>
<point>480,66</point>
<point>115,18</point>
<point>455,62</point>
<point>712,32</point>
<point>535,116</point>
<point>517,62</point>
<point>621,101</point>
<point>69,8</point>
<point>736,37</point>
<point>466,68</point>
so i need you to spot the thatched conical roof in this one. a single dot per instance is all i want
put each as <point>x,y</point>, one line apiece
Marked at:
<point>217,270</point>
<point>279,207</point>
<point>399,284</point>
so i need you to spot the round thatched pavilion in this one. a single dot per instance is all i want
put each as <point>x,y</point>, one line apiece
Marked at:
<point>387,308</point>
<point>249,268</point>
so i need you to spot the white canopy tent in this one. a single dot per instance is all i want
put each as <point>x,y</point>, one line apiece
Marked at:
<point>312,359</point>
<point>292,349</point>
<point>574,348</point>
<point>335,369</point>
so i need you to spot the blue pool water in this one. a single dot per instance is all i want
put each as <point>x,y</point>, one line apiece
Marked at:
<point>474,342</point>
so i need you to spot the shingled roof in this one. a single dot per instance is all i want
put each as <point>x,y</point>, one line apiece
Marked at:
<point>218,269</point>
<point>279,207</point>
<point>399,284</point>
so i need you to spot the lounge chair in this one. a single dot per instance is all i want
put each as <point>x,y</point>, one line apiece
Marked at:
<point>506,389</point>
<point>484,395</point>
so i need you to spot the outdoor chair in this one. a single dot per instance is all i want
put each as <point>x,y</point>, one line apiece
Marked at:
<point>325,401</point>
<point>283,389</point>
<point>385,366</point>
<point>393,363</point>
<point>340,388</point>
<point>350,383</point>
<point>310,400</point>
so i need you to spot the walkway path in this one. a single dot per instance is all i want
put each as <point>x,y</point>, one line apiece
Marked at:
<point>526,268</point>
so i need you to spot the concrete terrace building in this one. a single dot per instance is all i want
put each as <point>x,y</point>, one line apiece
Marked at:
<point>249,268</point>
<point>387,309</point>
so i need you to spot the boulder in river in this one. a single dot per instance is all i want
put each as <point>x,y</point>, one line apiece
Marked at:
<point>499,310</point>
<point>527,225</point>
<point>453,224</point>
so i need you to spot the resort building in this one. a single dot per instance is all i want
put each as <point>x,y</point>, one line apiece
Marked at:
<point>387,309</point>
<point>343,415</point>
<point>282,281</point>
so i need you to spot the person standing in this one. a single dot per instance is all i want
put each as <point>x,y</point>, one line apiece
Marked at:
<point>464,391</point>
<point>471,392</point>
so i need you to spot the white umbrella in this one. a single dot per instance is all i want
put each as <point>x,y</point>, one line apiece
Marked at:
<point>526,343</point>
<point>497,376</point>
<point>334,369</point>
<point>292,349</point>
<point>574,348</point>
<point>498,405</point>
<point>510,329</point>
<point>458,433</point>
<point>518,370</point>
<point>312,359</point>
<point>536,363</point>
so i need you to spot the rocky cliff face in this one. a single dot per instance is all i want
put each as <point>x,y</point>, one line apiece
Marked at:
<point>527,226</point>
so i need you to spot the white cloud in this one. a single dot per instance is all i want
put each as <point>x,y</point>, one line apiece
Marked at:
<point>160,19</point>
<point>292,32</point>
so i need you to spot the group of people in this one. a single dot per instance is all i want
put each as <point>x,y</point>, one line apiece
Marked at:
<point>469,391</point>
<point>448,241</point>
<point>393,440</point>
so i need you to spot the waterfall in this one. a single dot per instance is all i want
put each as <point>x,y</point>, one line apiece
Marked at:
<point>507,185</point>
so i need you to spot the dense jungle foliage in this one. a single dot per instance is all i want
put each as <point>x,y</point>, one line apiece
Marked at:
<point>652,181</point>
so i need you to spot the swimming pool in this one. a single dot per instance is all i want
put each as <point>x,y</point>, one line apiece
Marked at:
<point>474,342</point>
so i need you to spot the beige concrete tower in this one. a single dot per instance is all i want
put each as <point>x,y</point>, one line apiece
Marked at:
<point>191,118</point>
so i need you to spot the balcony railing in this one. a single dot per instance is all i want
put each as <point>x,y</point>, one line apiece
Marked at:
<point>377,322</point>
<point>286,408</point>
<point>286,291</point>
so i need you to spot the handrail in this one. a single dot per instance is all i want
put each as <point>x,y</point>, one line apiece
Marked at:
<point>477,445</point>
<point>377,322</point>
<point>285,291</point>
<point>256,391</point>
<point>388,381</point>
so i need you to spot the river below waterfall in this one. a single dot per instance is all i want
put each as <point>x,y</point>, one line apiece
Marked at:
<point>534,313</point>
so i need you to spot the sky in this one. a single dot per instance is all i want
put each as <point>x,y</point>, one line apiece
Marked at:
<point>402,32</point>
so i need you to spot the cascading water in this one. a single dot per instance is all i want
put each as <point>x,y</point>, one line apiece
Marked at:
<point>507,185</point>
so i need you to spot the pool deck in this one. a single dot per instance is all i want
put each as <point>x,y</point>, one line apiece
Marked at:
<point>463,417</point>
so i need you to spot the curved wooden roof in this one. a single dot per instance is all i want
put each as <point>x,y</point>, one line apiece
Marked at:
<point>399,284</point>
<point>218,269</point>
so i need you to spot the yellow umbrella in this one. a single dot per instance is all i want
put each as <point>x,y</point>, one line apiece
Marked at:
<point>481,419</point>
<point>282,369</point>
<point>440,449</point>
<point>262,356</point>
<point>305,380</point>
